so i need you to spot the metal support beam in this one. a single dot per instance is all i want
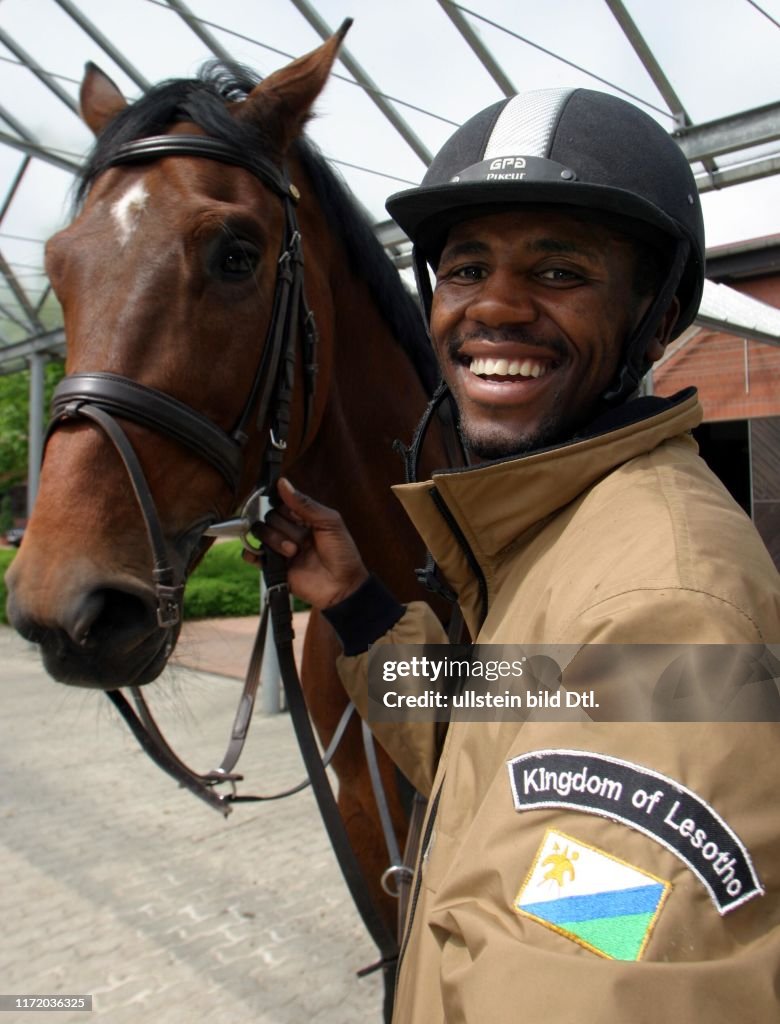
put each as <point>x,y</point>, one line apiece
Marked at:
<point>737,175</point>
<point>199,29</point>
<point>51,343</point>
<point>651,65</point>
<point>653,68</point>
<point>9,196</point>
<point>17,126</point>
<point>371,89</point>
<point>104,43</point>
<point>39,151</point>
<point>19,293</point>
<point>727,134</point>
<point>35,428</point>
<point>48,80</point>
<point>44,296</point>
<point>10,315</point>
<point>486,58</point>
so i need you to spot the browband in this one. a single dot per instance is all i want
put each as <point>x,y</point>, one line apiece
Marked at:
<point>155,147</point>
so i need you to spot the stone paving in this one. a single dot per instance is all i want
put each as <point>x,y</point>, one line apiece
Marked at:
<point>115,883</point>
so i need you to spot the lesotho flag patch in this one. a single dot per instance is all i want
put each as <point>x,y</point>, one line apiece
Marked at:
<point>596,900</point>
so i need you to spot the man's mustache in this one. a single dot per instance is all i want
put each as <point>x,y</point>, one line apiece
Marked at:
<point>516,335</point>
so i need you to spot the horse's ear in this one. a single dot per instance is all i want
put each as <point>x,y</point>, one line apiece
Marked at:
<point>282,102</point>
<point>100,98</point>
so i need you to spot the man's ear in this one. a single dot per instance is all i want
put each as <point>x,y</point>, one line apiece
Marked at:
<point>664,331</point>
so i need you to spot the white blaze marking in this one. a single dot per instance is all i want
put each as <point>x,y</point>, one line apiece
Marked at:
<point>127,210</point>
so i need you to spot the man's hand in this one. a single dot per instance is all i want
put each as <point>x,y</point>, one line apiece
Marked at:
<point>324,566</point>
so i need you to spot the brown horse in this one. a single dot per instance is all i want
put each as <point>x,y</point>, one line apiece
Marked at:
<point>166,278</point>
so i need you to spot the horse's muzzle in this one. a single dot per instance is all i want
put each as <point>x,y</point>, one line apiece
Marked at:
<point>105,638</point>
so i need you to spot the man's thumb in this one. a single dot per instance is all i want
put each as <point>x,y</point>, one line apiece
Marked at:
<point>309,511</point>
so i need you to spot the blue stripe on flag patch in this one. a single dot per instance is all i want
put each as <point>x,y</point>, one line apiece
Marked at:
<point>641,900</point>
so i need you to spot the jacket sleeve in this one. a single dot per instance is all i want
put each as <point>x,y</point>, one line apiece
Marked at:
<point>413,746</point>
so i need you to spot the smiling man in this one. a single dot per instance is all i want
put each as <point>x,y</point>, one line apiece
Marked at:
<point>530,315</point>
<point>580,870</point>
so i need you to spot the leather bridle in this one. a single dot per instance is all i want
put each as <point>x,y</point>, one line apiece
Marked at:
<point>104,397</point>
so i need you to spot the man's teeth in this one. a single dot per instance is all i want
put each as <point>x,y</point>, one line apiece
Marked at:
<point>505,368</point>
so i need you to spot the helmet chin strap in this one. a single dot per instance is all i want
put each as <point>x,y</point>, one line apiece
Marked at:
<point>422,277</point>
<point>635,362</point>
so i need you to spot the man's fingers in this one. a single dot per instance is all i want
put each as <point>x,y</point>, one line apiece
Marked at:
<point>324,566</point>
<point>309,511</point>
<point>288,527</point>
<point>277,540</point>
<point>292,529</point>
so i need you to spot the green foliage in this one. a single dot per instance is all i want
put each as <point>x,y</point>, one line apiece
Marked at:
<point>6,557</point>
<point>6,514</point>
<point>222,585</point>
<point>211,598</point>
<point>224,561</point>
<point>14,419</point>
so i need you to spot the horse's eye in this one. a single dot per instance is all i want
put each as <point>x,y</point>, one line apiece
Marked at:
<point>238,260</point>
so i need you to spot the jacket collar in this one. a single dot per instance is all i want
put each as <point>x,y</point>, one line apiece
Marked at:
<point>494,504</point>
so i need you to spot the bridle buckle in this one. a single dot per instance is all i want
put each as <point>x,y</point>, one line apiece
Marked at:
<point>168,603</point>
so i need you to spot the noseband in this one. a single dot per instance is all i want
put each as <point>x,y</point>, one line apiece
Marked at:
<point>103,398</point>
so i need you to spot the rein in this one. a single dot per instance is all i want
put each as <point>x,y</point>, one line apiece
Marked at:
<point>102,398</point>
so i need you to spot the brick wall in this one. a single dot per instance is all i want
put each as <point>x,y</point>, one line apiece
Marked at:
<point>736,379</point>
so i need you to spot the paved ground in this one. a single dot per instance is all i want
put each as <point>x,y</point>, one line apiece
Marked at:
<point>115,883</point>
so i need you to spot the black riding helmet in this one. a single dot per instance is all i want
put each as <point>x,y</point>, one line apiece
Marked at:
<point>570,147</point>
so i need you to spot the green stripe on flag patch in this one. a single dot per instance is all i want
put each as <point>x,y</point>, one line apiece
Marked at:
<point>620,938</point>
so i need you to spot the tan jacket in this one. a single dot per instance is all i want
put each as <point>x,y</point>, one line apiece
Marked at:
<point>623,538</point>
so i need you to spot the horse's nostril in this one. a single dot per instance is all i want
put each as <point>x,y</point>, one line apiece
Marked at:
<point>107,612</point>
<point>85,616</point>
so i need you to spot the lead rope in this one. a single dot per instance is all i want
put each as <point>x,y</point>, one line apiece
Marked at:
<point>278,603</point>
<point>275,574</point>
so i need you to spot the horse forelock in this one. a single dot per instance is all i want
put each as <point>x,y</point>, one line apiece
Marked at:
<point>204,101</point>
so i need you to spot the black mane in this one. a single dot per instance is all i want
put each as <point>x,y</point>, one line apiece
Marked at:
<point>203,101</point>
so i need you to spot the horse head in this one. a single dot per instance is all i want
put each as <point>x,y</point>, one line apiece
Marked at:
<point>168,278</point>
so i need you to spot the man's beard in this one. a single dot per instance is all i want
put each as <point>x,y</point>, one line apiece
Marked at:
<point>494,444</point>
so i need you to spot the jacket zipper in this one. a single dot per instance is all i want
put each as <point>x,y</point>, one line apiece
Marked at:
<point>418,880</point>
<point>450,520</point>
<point>460,537</point>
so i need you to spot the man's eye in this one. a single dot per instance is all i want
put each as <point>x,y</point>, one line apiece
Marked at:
<point>469,273</point>
<point>560,275</point>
